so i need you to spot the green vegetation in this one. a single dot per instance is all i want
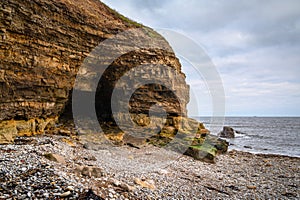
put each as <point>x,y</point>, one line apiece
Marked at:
<point>206,148</point>
<point>125,19</point>
<point>150,32</point>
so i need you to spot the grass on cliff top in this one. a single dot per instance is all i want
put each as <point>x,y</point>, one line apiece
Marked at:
<point>149,31</point>
<point>125,19</point>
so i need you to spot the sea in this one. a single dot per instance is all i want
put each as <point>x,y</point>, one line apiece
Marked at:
<point>266,135</point>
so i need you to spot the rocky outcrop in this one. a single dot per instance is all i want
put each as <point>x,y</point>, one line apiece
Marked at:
<point>227,132</point>
<point>43,45</point>
<point>53,50</point>
<point>207,148</point>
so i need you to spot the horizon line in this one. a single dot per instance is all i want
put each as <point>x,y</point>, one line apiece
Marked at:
<point>247,116</point>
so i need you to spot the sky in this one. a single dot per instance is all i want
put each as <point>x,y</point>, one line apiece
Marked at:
<point>254,45</point>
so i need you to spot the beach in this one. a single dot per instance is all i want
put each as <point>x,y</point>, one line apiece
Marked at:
<point>95,105</point>
<point>58,167</point>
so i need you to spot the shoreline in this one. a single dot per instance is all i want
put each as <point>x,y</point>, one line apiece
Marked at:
<point>119,173</point>
<point>263,154</point>
<point>265,135</point>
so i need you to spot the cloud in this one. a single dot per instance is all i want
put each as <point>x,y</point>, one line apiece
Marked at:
<point>255,46</point>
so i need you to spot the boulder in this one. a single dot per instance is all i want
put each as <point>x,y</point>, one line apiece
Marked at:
<point>207,148</point>
<point>206,153</point>
<point>220,144</point>
<point>227,132</point>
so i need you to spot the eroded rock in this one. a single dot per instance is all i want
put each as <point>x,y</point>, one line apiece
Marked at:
<point>146,183</point>
<point>47,44</point>
<point>55,158</point>
<point>227,132</point>
<point>43,50</point>
<point>89,171</point>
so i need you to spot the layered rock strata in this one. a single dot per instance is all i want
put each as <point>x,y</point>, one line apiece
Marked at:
<point>118,70</point>
<point>43,45</point>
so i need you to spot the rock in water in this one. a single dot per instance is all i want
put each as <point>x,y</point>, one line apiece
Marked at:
<point>227,132</point>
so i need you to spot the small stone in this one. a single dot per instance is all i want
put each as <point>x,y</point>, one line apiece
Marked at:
<point>122,185</point>
<point>127,187</point>
<point>65,132</point>
<point>163,171</point>
<point>115,182</point>
<point>90,158</point>
<point>145,184</point>
<point>251,187</point>
<point>169,130</point>
<point>65,194</point>
<point>46,195</point>
<point>29,194</point>
<point>55,158</point>
<point>70,188</point>
<point>289,194</point>
<point>69,142</point>
<point>89,171</point>
<point>112,191</point>
<point>86,171</point>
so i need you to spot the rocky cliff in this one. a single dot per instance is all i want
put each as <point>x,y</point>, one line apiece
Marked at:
<point>78,58</point>
<point>43,45</point>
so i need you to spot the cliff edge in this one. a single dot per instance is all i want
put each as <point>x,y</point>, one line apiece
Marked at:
<point>51,50</point>
<point>44,43</point>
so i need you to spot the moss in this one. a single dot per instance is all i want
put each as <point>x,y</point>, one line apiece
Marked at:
<point>125,19</point>
<point>206,148</point>
<point>151,33</point>
<point>220,144</point>
<point>129,21</point>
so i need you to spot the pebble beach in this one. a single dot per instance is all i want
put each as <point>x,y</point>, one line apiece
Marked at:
<point>59,167</point>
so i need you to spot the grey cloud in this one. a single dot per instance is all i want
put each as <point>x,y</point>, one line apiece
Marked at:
<point>255,45</point>
<point>266,22</point>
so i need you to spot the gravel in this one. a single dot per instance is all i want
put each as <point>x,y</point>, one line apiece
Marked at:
<point>26,173</point>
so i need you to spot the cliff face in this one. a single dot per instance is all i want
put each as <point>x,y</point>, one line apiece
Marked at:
<point>43,45</point>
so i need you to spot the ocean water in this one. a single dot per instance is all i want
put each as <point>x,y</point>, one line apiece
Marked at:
<point>268,135</point>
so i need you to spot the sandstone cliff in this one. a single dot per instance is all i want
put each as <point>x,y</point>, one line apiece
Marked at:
<point>64,57</point>
<point>43,45</point>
